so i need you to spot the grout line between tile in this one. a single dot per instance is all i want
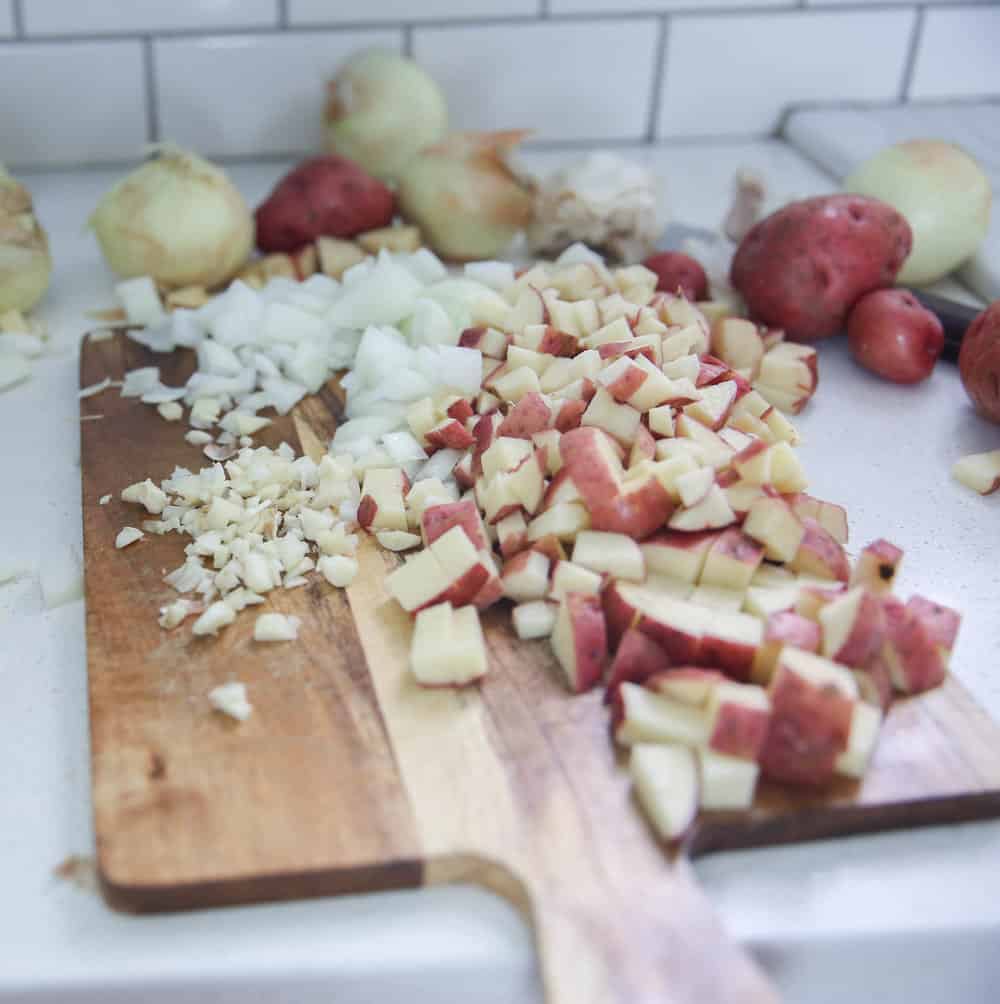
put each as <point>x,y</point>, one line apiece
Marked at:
<point>152,91</point>
<point>17,12</point>
<point>659,70</point>
<point>408,41</point>
<point>909,67</point>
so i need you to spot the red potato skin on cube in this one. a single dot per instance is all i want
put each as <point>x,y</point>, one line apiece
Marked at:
<point>677,272</point>
<point>464,591</point>
<point>590,639</point>
<point>619,614</point>
<point>908,642</point>
<point>439,519</point>
<point>558,343</point>
<point>979,362</point>
<point>551,547</point>
<point>740,734</point>
<point>461,410</point>
<point>367,509</point>
<point>530,415</point>
<point>636,660</point>
<point>809,728</point>
<point>803,267</point>
<point>323,197</point>
<point>450,435</point>
<point>569,415</point>
<point>712,371</point>
<point>941,623</point>
<point>891,333</point>
<point>637,513</point>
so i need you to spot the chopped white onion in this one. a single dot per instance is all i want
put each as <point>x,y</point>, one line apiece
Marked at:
<point>140,301</point>
<point>94,388</point>
<point>276,627</point>
<point>128,535</point>
<point>13,369</point>
<point>231,698</point>
<point>61,578</point>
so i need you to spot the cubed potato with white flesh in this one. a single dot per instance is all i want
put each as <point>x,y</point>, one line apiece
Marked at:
<point>512,534</point>
<point>978,471</point>
<point>877,566</point>
<point>617,330</point>
<point>517,356</point>
<point>527,484</point>
<point>762,601</point>
<point>829,515</point>
<point>678,555</point>
<point>853,627</point>
<point>866,720</point>
<point>780,428</point>
<point>514,384</point>
<point>565,521</point>
<point>714,405</point>
<point>712,512</point>
<point>384,487</point>
<point>661,421</point>
<point>738,719</point>
<point>654,390</point>
<point>726,782</point>
<point>783,628</point>
<point>505,454</point>
<point>579,640</point>
<point>548,443</point>
<point>714,449</point>
<point>665,779</point>
<point>812,706</point>
<point>788,376</point>
<point>613,553</point>
<point>732,561</point>
<point>668,471</point>
<point>771,522</point>
<point>620,421</point>
<point>690,685</point>
<point>717,597</point>
<point>787,474</point>
<point>447,649</point>
<point>819,555</point>
<point>647,717</point>
<point>421,417</point>
<point>569,577</point>
<point>682,368</point>
<point>694,485</point>
<point>536,619</point>
<point>526,577</point>
<point>737,343</point>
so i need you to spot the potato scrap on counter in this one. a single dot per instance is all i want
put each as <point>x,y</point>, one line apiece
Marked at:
<point>594,451</point>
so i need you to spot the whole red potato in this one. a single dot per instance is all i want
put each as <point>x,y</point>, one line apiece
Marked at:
<point>676,270</point>
<point>979,362</point>
<point>893,334</point>
<point>803,267</point>
<point>322,197</point>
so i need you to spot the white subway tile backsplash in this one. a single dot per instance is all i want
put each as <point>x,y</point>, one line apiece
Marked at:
<point>252,94</point>
<point>77,102</point>
<point>98,17</point>
<point>567,81</point>
<point>337,12</point>
<point>655,6</point>
<point>737,74</point>
<point>6,18</point>
<point>869,3</point>
<point>958,54</point>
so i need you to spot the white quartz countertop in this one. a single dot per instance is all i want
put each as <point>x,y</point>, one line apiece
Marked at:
<point>911,916</point>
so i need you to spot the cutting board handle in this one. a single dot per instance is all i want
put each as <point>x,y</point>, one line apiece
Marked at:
<point>602,945</point>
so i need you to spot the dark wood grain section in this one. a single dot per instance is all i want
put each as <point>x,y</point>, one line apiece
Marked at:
<point>349,776</point>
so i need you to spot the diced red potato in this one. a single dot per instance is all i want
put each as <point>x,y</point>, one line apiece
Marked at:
<point>637,658</point>
<point>940,622</point>
<point>438,519</point>
<point>731,561</point>
<point>647,717</point>
<point>812,706</point>
<point>665,778</point>
<point>680,555</point>
<point>916,661</point>
<point>579,640</point>
<point>687,684</point>
<point>853,627</point>
<point>783,628</point>
<point>738,718</point>
<point>725,782</point>
<point>737,342</point>
<point>820,555</point>
<point>877,566</point>
<point>530,415</point>
<point>534,620</point>
<point>526,577</point>
<point>512,534</point>
<point>829,515</point>
<point>866,720</point>
<point>979,471</point>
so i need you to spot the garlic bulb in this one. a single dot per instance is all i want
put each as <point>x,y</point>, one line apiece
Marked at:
<point>381,110</point>
<point>25,263</point>
<point>609,203</point>
<point>464,197</point>
<point>177,218</point>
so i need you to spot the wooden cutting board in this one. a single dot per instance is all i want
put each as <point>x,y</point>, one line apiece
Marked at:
<point>349,777</point>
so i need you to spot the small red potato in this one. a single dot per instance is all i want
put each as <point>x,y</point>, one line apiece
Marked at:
<point>803,267</point>
<point>322,197</point>
<point>678,271</point>
<point>892,334</point>
<point>979,362</point>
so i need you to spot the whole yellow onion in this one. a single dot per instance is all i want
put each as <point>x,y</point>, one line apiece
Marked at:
<point>381,110</point>
<point>177,218</point>
<point>25,263</point>
<point>464,197</point>
<point>941,192</point>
